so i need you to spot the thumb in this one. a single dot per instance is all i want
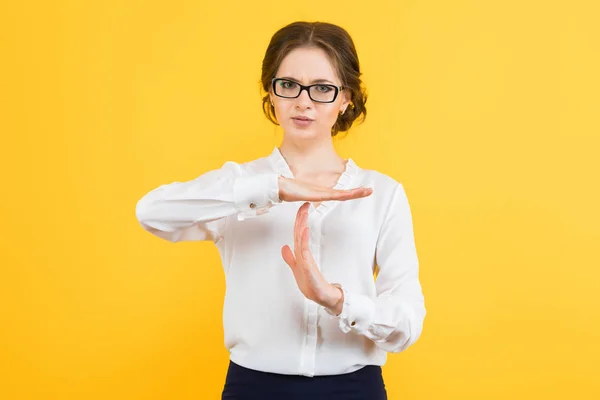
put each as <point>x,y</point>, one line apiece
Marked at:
<point>288,256</point>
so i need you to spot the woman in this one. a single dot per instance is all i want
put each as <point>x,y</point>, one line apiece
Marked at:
<point>301,233</point>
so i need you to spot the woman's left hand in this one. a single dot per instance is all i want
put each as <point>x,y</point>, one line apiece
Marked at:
<point>308,277</point>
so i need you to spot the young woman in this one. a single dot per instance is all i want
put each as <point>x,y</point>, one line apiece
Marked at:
<point>301,233</point>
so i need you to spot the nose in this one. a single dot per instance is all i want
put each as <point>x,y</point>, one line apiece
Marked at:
<point>303,101</point>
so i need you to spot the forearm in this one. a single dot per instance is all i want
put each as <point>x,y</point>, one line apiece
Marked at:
<point>192,210</point>
<point>393,322</point>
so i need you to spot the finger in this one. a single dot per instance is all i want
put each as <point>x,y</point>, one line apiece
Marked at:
<point>304,217</point>
<point>351,193</point>
<point>361,192</point>
<point>320,193</point>
<point>288,256</point>
<point>296,229</point>
<point>297,218</point>
<point>305,252</point>
<point>302,211</point>
<point>301,219</point>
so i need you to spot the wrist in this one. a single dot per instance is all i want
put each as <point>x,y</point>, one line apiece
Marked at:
<point>335,299</point>
<point>280,179</point>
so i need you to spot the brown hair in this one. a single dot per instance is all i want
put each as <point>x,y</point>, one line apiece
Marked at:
<point>338,45</point>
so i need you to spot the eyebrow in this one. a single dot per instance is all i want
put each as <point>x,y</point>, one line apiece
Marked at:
<point>314,81</point>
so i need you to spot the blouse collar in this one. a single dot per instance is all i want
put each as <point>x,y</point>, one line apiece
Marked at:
<point>281,167</point>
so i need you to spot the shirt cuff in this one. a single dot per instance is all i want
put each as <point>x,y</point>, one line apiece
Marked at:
<point>253,195</point>
<point>357,313</point>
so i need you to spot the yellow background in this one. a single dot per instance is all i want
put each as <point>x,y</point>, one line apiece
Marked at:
<point>487,111</point>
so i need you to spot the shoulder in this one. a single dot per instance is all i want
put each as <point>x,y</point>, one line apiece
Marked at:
<point>388,192</point>
<point>378,180</point>
<point>250,167</point>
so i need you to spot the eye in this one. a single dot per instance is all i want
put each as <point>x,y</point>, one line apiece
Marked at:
<point>287,84</point>
<point>324,88</point>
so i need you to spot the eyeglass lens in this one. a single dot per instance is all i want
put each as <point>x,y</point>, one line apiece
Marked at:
<point>319,92</point>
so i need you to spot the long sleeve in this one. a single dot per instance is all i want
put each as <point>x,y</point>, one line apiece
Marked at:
<point>393,319</point>
<point>196,209</point>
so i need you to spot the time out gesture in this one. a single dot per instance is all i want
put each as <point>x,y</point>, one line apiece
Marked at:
<point>308,277</point>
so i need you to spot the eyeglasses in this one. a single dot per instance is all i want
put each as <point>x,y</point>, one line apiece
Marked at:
<point>320,92</point>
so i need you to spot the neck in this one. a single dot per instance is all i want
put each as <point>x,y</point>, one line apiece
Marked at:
<point>311,156</point>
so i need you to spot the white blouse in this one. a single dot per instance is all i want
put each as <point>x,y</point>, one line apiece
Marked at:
<point>268,323</point>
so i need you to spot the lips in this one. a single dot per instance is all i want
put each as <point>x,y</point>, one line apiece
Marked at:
<point>300,118</point>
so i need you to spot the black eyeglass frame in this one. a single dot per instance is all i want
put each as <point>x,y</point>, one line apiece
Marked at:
<point>338,89</point>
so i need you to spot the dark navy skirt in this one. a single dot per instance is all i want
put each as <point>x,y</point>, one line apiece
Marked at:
<point>247,384</point>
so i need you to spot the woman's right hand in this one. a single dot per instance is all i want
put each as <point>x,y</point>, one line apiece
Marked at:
<point>297,190</point>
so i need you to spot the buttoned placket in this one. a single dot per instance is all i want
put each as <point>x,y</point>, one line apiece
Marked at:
<point>311,309</point>
<point>316,216</point>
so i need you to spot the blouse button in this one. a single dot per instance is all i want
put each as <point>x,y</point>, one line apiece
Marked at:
<point>252,205</point>
<point>353,323</point>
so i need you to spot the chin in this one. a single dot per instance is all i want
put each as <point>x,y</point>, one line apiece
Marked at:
<point>310,132</point>
<point>301,133</point>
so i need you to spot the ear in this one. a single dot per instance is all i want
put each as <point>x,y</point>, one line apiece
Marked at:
<point>345,95</point>
<point>271,97</point>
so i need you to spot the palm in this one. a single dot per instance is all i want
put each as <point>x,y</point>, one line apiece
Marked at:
<point>297,190</point>
<point>308,277</point>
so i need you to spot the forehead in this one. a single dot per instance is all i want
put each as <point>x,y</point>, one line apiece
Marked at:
<point>307,65</point>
